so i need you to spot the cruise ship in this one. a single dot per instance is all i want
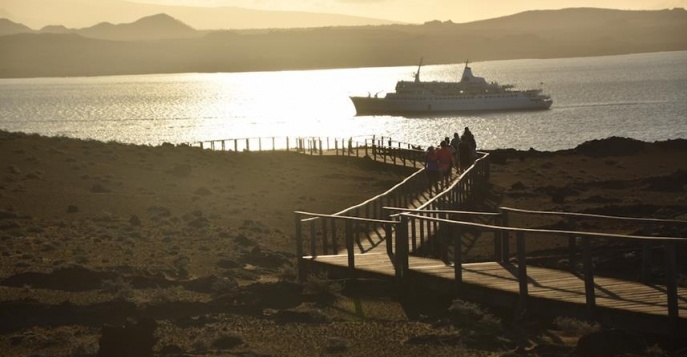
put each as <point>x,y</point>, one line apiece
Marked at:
<point>470,94</point>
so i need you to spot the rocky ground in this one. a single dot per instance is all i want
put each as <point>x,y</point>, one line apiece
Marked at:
<point>192,250</point>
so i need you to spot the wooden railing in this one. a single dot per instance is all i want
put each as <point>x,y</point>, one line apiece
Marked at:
<point>451,234</point>
<point>401,195</point>
<point>644,226</point>
<point>311,145</point>
<point>338,231</point>
<point>471,184</point>
<point>379,148</point>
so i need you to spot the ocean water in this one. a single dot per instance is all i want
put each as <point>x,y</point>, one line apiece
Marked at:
<point>642,96</point>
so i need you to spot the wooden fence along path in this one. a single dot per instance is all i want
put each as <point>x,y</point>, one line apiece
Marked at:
<point>422,240</point>
<point>419,240</point>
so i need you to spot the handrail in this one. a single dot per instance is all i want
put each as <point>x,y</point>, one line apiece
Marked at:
<point>587,215</point>
<point>538,230</point>
<point>385,193</point>
<point>669,247</point>
<point>465,175</point>
<point>349,218</point>
<point>473,213</point>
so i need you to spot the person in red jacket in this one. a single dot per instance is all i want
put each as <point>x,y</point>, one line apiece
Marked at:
<point>445,158</point>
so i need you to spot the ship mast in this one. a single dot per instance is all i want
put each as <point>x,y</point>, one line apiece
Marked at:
<point>417,74</point>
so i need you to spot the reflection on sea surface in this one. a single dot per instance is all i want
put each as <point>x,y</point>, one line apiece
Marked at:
<point>643,96</point>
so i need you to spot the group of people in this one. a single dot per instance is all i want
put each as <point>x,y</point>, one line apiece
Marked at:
<point>459,152</point>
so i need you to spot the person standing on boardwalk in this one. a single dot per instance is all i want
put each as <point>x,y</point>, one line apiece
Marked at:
<point>445,157</point>
<point>432,167</point>
<point>467,136</point>
<point>471,153</point>
<point>455,142</point>
<point>464,156</point>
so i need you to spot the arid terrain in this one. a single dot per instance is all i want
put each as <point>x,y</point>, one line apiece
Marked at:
<point>193,249</point>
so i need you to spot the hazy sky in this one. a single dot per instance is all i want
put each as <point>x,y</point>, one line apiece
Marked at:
<point>82,13</point>
<point>419,11</point>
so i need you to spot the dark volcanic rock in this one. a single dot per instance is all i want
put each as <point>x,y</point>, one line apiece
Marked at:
<point>65,279</point>
<point>132,339</point>
<point>609,344</point>
<point>613,146</point>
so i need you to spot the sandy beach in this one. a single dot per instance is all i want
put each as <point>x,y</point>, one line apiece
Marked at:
<point>200,243</point>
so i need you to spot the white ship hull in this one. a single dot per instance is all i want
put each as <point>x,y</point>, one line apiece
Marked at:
<point>394,104</point>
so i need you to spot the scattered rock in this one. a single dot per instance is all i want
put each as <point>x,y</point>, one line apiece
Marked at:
<point>613,146</point>
<point>676,182</point>
<point>198,222</point>
<point>13,170</point>
<point>433,339</point>
<point>518,186</point>
<point>227,342</point>
<point>132,339</point>
<point>265,258</point>
<point>98,188</point>
<point>171,350</point>
<point>243,240</point>
<point>227,264</point>
<point>134,220</point>
<point>211,284</point>
<point>610,343</point>
<point>66,279</point>
<point>8,215</point>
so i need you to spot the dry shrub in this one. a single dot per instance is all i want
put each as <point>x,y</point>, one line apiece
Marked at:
<point>574,326</point>
<point>319,284</point>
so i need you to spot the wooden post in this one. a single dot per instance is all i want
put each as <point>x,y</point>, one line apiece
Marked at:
<point>646,253</point>
<point>401,245</point>
<point>389,241</point>
<point>273,144</point>
<point>498,240</point>
<point>589,292</point>
<point>260,144</point>
<point>336,147</point>
<point>505,248</point>
<point>522,265</point>
<point>321,149</point>
<point>325,247</point>
<point>287,144</point>
<point>223,145</point>
<point>444,238</point>
<point>671,288</point>
<point>572,256</point>
<point>299,249</point>
<point>350,248</point>
<point>422,235</point>
<point>458,255</point>
<point>413,236</point>
<point>335,242</point>
<point>313,240</point>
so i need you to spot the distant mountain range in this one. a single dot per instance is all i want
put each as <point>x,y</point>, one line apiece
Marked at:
<point>162,44</point>
<point>80,13</point>
<point>156,27</point>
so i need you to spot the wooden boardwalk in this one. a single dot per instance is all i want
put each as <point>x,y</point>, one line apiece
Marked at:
<point>497,284</point>
<point>383,242</point>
